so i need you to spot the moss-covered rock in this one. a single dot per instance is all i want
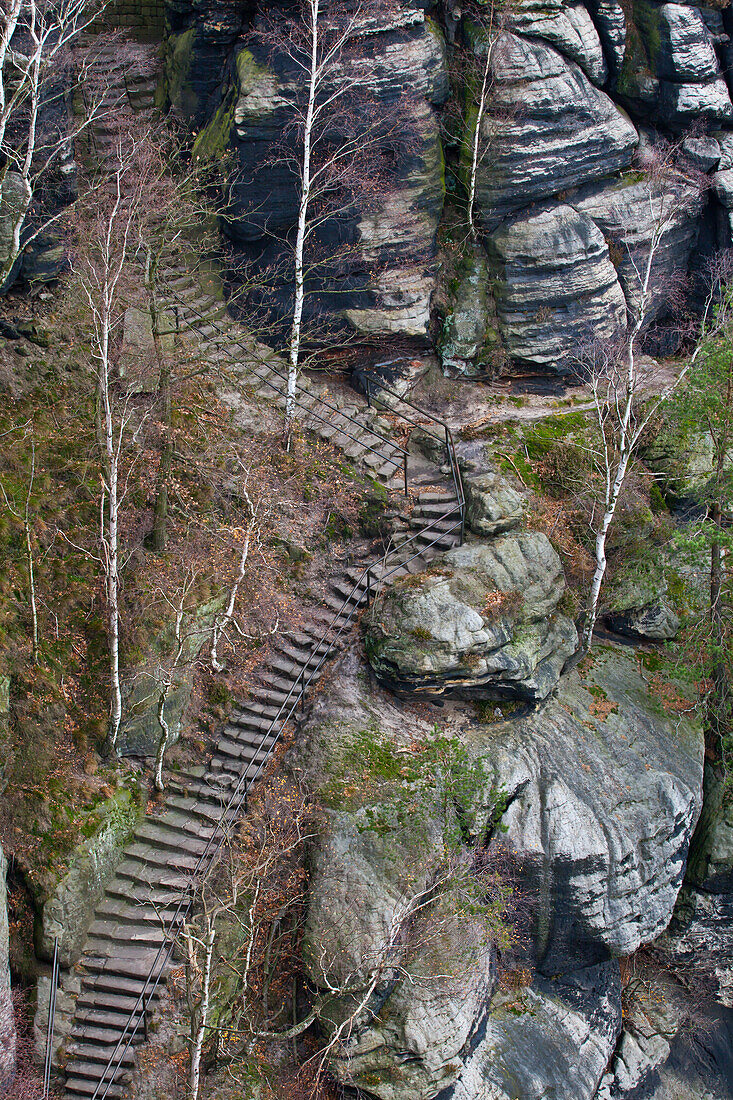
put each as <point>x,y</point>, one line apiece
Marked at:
<point>68,902</point>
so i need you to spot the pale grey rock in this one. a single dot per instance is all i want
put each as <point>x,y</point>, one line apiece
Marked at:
<point>657,622</point>
<point>724,139</point>
<point>704,153</point>
<point>559,130</point>
<point>569,28</point>
<point>67,992</point>
<point>552,1040</point>
<point>68,906</point>
<point>468,322</point>
<point>649,1026</point>
<point>629,215</point>
<point>723,183</point>
<point>493,505</point>
<point>603,791</point>
<point>137,332</point>
<point>7,1019</point>
<point>384,278</point>
<point>361,881</point>
<point>602,842</point>
<point>12,196</point>
<point>556,288</point>
<point>681,104</point>
<point>686,52</point>
<point>483,623</point>
<point>140,730</point>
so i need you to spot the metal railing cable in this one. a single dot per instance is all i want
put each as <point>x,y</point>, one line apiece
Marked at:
<point>51,1019</point>
<point>361,589</point>
<point>317,398</point>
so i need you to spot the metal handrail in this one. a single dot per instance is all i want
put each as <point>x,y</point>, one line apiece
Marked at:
<point>360,589</point>
<point>51,1019</point>
<point>315,397</point>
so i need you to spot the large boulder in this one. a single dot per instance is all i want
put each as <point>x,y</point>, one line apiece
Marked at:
<point>481,623</point>
<point>568,27</point>
<point>554,1039</point>
<point>493,505</point>
<point>556,288</point>
<point>631,215</point>
<point>69,900</point>
<point>556,129</point>
<point>670,71</point>
<point>605,788</point>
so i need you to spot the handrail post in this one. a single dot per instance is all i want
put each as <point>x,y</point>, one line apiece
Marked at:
<point>145,1016</point>
<point>368,392</point>
<point>369,587</point>
<point>447,444</point>
<point>405,473</point>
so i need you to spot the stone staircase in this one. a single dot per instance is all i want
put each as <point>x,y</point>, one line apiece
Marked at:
<point>125,950</point>
<point>125,945</point>
<point>128,948</point>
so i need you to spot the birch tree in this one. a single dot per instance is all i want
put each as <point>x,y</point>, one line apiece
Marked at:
<point>338,131</point>
<point>625,390</point>
<point>38,73</point>
<point>490,26</point>
<point>106,244</point>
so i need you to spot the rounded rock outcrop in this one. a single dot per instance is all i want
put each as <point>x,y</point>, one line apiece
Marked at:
<point>481,623</point>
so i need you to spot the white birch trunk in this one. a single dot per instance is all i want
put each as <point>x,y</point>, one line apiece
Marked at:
<point>475,147</point>
<point>305,194</point>
<point>110,536</point>
<point>203,1013</point>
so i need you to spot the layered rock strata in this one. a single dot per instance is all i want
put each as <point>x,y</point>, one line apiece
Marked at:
<point>598,851</point>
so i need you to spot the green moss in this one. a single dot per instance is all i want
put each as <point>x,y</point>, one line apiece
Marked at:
<point>540,438</point>
<point>214,141</point>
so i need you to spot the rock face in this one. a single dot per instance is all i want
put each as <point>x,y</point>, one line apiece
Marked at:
<point>493,506</point>
<point>701,938</point>
<point>597,831</point>
<point>554,1039</point>
<point>69,906</point>
<point>483,623</point>
<point>573,86</point>
<point>598,851</point>
<point>7,1021</point>
<point>557,288</point>
<point>565,76</point>
<point>560,130</point>
<point>385,236</point>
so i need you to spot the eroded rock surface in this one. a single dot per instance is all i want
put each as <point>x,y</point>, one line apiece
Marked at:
<point>603,792</point>
<point>482,623</point>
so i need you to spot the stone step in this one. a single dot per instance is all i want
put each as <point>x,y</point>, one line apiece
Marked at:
<point>153,856</point>
<point>102,933</point>
<point>84,1087</point>
<point>237,751</point>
